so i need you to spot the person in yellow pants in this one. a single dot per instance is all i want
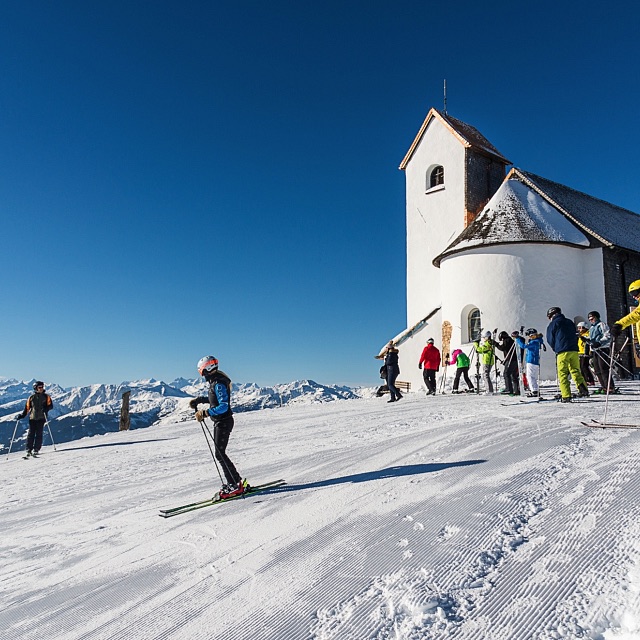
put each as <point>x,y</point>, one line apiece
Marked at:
<point>562,338</point>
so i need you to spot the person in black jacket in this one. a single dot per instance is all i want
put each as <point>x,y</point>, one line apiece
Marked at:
<point>390,355</point>
<point>220,412</point>
<point>510,374</point>
<point>562,338</point>
<point>37,406</point>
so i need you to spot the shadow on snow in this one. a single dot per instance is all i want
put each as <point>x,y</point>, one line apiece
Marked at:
<point>389,472</point>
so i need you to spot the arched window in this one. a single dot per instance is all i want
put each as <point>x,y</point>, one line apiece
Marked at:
<point>436,177</point>
<point>474,325</point>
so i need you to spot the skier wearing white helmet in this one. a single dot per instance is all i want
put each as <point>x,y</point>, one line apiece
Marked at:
<point>220,413</point>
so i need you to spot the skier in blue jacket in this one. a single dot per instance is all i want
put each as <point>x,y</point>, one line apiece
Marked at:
<point>220,413</point>
<point>531,350</point>
<point>562,338</point>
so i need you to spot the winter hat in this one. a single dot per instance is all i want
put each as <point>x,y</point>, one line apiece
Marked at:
<point>456,353</point>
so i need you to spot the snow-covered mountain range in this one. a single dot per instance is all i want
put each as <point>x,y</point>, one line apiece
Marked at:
<point>95,409</point>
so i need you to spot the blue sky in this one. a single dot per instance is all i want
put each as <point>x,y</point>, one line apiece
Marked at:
<point>179,179</point>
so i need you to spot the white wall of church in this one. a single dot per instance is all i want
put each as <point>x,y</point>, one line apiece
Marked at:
<point>433,218</point>
<point>411,350</point>
<point>514,285</point>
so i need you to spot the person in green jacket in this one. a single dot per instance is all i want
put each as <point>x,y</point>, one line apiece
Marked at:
<point>461,360</point>
<point>486,351</point>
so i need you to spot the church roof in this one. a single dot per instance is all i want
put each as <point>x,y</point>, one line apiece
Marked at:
<point>613,226</point>
<point>468,136</point>
<point>529,208</point>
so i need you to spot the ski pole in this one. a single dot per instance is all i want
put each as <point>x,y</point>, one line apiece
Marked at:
<point>13,438</point>
<point>204,433</point>
<point>50,434</point>
<point>606,399</point>
<point>222,460</point>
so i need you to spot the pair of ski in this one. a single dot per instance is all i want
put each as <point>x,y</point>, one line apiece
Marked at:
<point>596,424</point>
<point>185,508</point>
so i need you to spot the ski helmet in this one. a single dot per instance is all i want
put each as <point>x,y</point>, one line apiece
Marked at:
<point>503,335</point>
<point>486,334</point>
<point>37,384</point>
<point>553,311</point>
<point>530,332</point>
<point>634,288</point>
<point>430,341</point>
<point>594,314</point>
<point>582,325</point>
<point>206,365</point>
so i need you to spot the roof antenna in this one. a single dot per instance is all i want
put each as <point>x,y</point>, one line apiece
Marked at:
<point>445,97</point>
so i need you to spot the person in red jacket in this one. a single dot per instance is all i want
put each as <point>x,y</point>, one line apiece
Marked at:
<point>430,365</point>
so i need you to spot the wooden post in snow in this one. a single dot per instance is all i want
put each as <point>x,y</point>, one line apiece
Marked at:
<point>125,421</point>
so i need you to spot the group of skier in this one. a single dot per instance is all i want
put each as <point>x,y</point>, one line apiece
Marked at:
<point>577,348</point>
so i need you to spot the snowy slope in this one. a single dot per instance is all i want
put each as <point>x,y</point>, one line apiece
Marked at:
<point>442,517</point>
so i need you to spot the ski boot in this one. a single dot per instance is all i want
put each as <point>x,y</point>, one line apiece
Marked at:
<point>583,392</point>
<point>233,490</point>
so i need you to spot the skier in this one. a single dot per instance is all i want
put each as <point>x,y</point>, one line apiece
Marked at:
<point>390,355</point>
<point>37,406</point>
<point>220,412</point>
<point>562,338</point>
<point>584,351</point>
<point>430,358</point>
<point>461,360</point>
<point>631,318</point>
<point>531,350</point>
<point>600,343</point>
<point>485,352</point>
<point>510,373</point>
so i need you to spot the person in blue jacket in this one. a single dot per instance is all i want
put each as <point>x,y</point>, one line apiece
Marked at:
<point>531,350</point>
<point>220,412</point>
<point>562,338</point>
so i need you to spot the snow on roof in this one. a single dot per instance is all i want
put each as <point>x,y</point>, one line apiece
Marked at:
<point>516,213</point>
<point>467,134</point>
<point>529,208</point>
<point>610,224</point>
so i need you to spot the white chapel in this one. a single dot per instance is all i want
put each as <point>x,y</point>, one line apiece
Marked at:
<point>489,247</point>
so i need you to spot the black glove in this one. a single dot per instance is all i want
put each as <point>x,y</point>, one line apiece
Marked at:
<point>194,402</point>
<point>616,329</point>
<point>19,416</point>
<point>595,344</point>
<point>420,365</point>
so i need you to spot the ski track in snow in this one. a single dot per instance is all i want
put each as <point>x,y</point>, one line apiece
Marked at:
<point>444,517</point>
